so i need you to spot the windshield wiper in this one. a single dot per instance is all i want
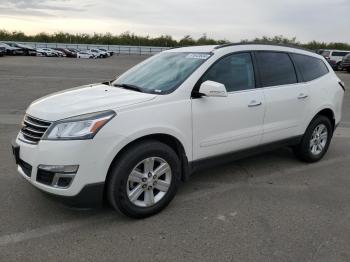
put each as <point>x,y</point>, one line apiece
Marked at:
<point>130,87</point>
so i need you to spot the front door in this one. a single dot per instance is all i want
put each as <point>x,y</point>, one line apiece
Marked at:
<point>227,124</point>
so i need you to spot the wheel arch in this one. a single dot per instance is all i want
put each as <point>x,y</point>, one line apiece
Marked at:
<point>327,112</point>
<point>167,139</point>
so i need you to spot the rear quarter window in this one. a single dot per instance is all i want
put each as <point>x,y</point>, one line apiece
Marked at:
<point>310,67</point>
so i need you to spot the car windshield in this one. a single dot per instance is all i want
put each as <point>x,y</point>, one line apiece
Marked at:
<point>162,73</point>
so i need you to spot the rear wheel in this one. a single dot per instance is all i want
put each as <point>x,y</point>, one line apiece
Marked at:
<point>144,180</point>
<point>338,67</point>
<point>316,140</point>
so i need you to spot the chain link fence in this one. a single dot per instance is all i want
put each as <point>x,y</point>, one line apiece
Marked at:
<point>117,49</point>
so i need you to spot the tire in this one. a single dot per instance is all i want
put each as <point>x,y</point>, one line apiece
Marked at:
<point>120,185</point>
<point>313,153</point>
<point>338,67</point>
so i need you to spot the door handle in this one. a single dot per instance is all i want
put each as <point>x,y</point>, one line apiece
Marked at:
<point>302,96</point>
<point>254,103</point>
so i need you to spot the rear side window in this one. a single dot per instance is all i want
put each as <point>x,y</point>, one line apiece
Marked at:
<point>234,71</point>
<point>310,67</point>
<point>276,69</point>
<point>337,53</point>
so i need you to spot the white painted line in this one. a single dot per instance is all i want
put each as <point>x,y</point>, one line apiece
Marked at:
<point>221,217</point>
<point>46,230</point>
<point>233,214</point>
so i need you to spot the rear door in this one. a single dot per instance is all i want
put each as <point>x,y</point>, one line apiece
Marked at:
<point>286,98</point>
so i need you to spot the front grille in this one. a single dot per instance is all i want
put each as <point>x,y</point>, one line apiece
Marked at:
<point>33,129</point>
<point>27,168</point>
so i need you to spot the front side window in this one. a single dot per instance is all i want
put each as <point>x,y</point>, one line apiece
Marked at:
<point>235,72</point>
<point>310,67</point>
<point>162,73</point>
<point>276,69</point>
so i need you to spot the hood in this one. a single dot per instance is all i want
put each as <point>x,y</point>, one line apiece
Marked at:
<point>83,100</point>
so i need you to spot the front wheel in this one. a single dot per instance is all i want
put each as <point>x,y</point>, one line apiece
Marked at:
<point>144,180</point>
<point>316,140</point>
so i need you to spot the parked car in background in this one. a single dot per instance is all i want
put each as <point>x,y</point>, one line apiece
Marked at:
<point>74,50</point>
<point>85,54</point>
<point>334,57</point>
<point>99,53</point>
<point>132,140</point>
<point>23,49</point>
<point>68,53</point>
<point>46,52</point>
<point>59,53</point>
<point>346,63</point>
<point>2,51</point>
<point>10,50</point>
<point>110,53</point>
<point>56,53</point>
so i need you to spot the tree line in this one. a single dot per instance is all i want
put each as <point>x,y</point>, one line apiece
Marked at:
<point>128,38</point>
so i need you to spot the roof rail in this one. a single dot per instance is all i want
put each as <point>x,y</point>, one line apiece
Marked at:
<point>263,43</point>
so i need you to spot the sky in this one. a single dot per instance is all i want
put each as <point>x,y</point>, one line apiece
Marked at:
<point>321,20</point>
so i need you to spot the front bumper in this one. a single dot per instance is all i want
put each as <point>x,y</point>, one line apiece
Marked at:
<point>91,195</point>
<point>93,157</point>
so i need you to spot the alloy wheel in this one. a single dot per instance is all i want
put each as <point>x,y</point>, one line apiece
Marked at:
<point>149,181</point>
<point>318,139</point>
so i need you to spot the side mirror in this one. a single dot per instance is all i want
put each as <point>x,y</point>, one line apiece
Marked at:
<point>212,89</point>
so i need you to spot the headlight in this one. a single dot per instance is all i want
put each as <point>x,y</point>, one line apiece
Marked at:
<point>78,127</point>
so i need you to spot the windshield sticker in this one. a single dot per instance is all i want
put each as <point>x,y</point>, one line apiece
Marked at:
<point>198,56</point>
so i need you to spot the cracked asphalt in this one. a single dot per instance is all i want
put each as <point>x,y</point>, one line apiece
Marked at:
<point>268,207</point>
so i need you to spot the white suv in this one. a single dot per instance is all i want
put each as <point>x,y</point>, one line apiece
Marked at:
<point>335,57</point>
<point>132,140</point>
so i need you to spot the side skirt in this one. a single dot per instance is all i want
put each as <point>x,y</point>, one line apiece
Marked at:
<point>229,157</point>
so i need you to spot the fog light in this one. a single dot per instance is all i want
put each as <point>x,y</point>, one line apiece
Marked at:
<point>56,175</point>
<point>70,169</point>
<point>64,181</point>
